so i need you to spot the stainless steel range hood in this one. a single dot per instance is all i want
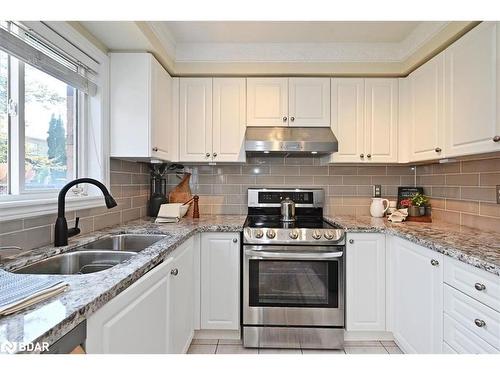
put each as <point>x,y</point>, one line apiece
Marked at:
<point>320,140</point>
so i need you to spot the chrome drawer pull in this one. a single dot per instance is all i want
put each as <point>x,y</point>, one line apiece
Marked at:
<point>479,322</point>
<point>479,286</point>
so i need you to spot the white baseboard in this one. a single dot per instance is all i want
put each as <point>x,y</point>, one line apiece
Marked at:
<point>368,336</point>
<point>217,334</point>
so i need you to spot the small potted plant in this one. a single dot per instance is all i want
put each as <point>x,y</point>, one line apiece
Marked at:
<point>418,203</point>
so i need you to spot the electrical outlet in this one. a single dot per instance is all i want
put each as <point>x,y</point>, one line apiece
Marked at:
<point>377,191</point>
<point>498,194</point>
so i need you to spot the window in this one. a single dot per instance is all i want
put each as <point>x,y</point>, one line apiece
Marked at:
<point>50,128</point>
<point>4,133</point>
<point>53,123</point>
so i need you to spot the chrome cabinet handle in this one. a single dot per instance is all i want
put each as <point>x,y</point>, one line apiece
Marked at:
<point>285,118</point>
<point>214,154</point>
<point>292,118</point>
<point>207,155</point>
<point>351,241</point>
<point>361,156</point>
<point>174,272</point>
<point>434,262</point>
<point>479,286</point>
<point>496,138</point>
<point>437,149</point>
<point>155,149</point>
<point>235,240</point>
<point>479,322</point>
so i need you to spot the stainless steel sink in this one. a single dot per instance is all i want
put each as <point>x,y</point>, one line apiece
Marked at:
<point>124,242</point>
<point>78,262</point>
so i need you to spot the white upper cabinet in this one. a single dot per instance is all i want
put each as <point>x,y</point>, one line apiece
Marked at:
<point>212,119</point>
<point>426,111</point>
<point>229,111</point>
<point>381,119</point>
<point>195,119</point>
<point>309,102</point>
<point>143,111</point>
<point>416,295</point>
<point>365,280</point>
<point>365,119</point>
<point>471,101</point>
<point>267,101</point>
<point>347,106</point>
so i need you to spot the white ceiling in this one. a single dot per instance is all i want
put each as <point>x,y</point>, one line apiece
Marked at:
<point>290,32</point>
<point>269,41</point>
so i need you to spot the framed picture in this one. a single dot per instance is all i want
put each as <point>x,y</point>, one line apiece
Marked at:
<point>407,192</point>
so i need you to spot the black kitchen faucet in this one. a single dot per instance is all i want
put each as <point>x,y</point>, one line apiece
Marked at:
<point>61,231</point>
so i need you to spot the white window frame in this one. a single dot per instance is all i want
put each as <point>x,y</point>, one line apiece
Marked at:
<point>93,136</point>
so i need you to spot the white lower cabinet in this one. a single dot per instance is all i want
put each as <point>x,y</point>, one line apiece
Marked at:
<point>149,317</point>
<point>365,282</point>
<point>220,281</point>
<point>181,303</point>
<point>460,340</point>
<point>416,275</point>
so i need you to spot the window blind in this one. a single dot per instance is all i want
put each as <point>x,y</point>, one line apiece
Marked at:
<point>56,65</point>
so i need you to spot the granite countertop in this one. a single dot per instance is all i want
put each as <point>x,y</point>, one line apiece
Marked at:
<point>50,320</point>
<point>478,248</point>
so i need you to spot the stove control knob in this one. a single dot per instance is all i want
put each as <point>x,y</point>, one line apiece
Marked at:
<point>329,234</point>
<point>270,233</point>
<point>316,234</point>
<point>259,233</point>
<point>294,234</point>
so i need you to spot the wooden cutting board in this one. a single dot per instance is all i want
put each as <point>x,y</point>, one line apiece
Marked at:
<point>182,193</point>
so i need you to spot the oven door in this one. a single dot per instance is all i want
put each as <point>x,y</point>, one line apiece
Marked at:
<point>293,285</point>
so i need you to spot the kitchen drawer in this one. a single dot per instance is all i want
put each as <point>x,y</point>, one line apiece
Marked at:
<point>448,349</point>
<point>479,284</point>
<point>467,312</point>
<point>459,339</point>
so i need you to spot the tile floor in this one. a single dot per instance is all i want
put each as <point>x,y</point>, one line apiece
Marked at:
<point>215,346</point>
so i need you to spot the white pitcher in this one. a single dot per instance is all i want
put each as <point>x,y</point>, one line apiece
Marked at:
<point>377,208</point>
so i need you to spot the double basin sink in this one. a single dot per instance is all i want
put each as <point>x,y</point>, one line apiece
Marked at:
<point>96,256</point>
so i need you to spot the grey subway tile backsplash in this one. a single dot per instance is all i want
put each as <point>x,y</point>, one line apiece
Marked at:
<point>130,188</point>
<point>461,192</point>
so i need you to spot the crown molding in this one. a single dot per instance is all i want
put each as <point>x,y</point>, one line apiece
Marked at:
<point>297,52</point>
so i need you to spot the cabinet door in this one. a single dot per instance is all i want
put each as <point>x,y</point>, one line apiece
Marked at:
<point>365,282</point>
<point>381,120</point>
<point>347,118</point>
<point>471,100</point>
<point>309,101</point>
<point>163,122</point>
<point>417,300</point>
<point>136,320</point>
<point>181,324</point>
<point>195,119</point>
<point>427,110</point>
<point>130,100</point>
<point>267,101</point>
<point>220,281</point>
<point>229,113</point>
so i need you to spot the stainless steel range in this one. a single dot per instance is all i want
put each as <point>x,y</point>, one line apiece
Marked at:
<point>293,272</point>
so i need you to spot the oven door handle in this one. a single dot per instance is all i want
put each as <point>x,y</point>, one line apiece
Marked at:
<point>302,256</point>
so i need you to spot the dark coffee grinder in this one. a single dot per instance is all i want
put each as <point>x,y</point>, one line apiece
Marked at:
<point>158,189</point>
